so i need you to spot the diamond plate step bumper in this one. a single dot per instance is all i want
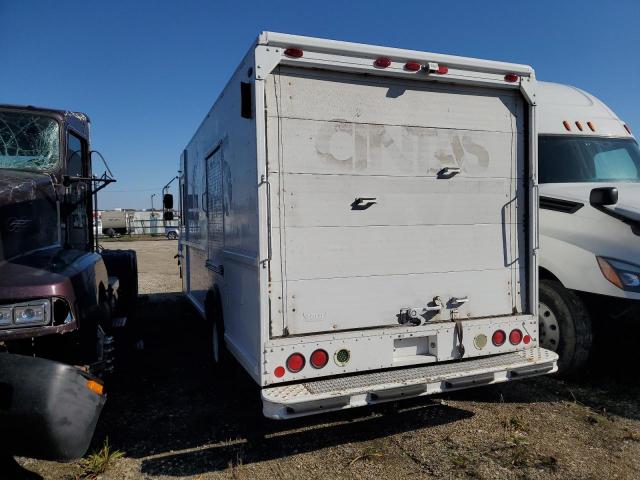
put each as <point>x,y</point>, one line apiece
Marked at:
<point>296,400</point>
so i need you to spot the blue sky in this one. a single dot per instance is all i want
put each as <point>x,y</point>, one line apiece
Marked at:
<point>147,72</point>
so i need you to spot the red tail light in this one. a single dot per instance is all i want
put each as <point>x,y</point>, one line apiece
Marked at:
<point>443,69</point>
<point>319,359</point>
<point>527,339</point>
<point>279,371</point>
<point>382,62</point>
<point>294,52</point>
<point>515,337</point>
<point>511,78</point>
<point>295,362</point>
<point>412,66</point>
<point>499,337</point>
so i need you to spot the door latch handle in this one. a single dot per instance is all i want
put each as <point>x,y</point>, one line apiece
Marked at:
<point>459,300</point>
<point>362,203</point>
<point>448,172</point>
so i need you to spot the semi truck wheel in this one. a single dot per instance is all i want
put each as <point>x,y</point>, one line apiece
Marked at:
<point>124,265</point>
<point>565,326</point>
<point>215,324</point>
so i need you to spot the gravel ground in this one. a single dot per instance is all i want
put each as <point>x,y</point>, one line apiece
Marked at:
<point>173,418</point>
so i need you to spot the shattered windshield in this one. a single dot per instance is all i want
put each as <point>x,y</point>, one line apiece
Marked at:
<point>28,141</point>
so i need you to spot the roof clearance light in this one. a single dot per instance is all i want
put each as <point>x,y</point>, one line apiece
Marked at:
<point>579,125</point>
<point>591,126</point>
<point>382,62</point>
<point>511,78</point>
<point>294,52</point>
<point>412,66</point>
<point>626,127</point>
<point>567,126</point>
<point>443,69</point>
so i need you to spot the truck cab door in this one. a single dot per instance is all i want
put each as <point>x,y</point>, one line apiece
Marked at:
<point>77,202</point>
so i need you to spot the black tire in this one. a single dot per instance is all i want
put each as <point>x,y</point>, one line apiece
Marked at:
<point>110,232</point>
<point>172,235</point>
<point>574,328</point>
<point>124,265</point>
<point>215,326</point>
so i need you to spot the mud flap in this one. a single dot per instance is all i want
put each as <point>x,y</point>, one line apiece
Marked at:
<point>47,410</point>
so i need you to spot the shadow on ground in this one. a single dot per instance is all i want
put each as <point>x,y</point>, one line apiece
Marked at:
<point>167,398</point>
<point>169,408</point>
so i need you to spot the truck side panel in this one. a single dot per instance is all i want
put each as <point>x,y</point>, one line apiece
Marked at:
<point>221,245</point>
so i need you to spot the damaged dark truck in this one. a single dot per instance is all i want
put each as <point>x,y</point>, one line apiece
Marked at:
<point>63,299</point>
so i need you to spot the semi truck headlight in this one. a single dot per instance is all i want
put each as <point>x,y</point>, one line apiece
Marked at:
<point>34,312</point>
<point>6,316</point>
<point>623,275</point>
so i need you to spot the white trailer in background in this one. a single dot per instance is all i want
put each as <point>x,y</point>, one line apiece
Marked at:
<point>360,223</point>
<point>589,221</point>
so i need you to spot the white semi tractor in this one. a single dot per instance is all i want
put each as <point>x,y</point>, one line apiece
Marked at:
<point>589,174</point>
<point>360,223</point>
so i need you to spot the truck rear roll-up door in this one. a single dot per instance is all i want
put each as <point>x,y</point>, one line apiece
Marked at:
<point>387,193</point>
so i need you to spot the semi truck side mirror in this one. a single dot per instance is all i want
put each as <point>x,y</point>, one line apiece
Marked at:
<point>167,201</point>
<point>603,196</point>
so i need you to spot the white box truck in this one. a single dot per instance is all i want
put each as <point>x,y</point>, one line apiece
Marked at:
<point>589,165</point>
<point>360,223</point>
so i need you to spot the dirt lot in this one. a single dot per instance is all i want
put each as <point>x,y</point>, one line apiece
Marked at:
<point>173,419</point>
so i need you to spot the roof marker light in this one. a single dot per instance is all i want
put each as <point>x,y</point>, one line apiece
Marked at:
<point>412,66</point>
<point>579,125</point>
<point>294,52</point>
<point>626,127</point>
<point>591,126</point>
<point>567,126</point>
<point>443,69</point>
<point>382,62</point>
<point>511,78</point>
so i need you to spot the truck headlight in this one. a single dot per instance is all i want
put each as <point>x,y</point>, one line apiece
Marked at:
<point>623,275</point>
<point>34,312</point>
<point>6,316</point>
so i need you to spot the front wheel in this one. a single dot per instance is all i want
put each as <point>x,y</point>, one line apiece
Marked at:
<point>172,235</point>
<point>565,326</point>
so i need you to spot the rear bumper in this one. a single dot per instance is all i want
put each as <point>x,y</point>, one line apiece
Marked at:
<point>46,409</point>
<point>300,399</point>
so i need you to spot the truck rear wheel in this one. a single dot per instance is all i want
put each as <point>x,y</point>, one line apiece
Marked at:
<point>565,326</point>
<point>215,324</point>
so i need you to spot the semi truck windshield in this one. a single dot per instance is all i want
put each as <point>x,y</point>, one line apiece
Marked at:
<point>28,141</point>
<point>566,159</point>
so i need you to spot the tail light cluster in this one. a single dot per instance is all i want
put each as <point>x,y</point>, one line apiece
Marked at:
<point>296,362</point>
<point>516,337</point>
